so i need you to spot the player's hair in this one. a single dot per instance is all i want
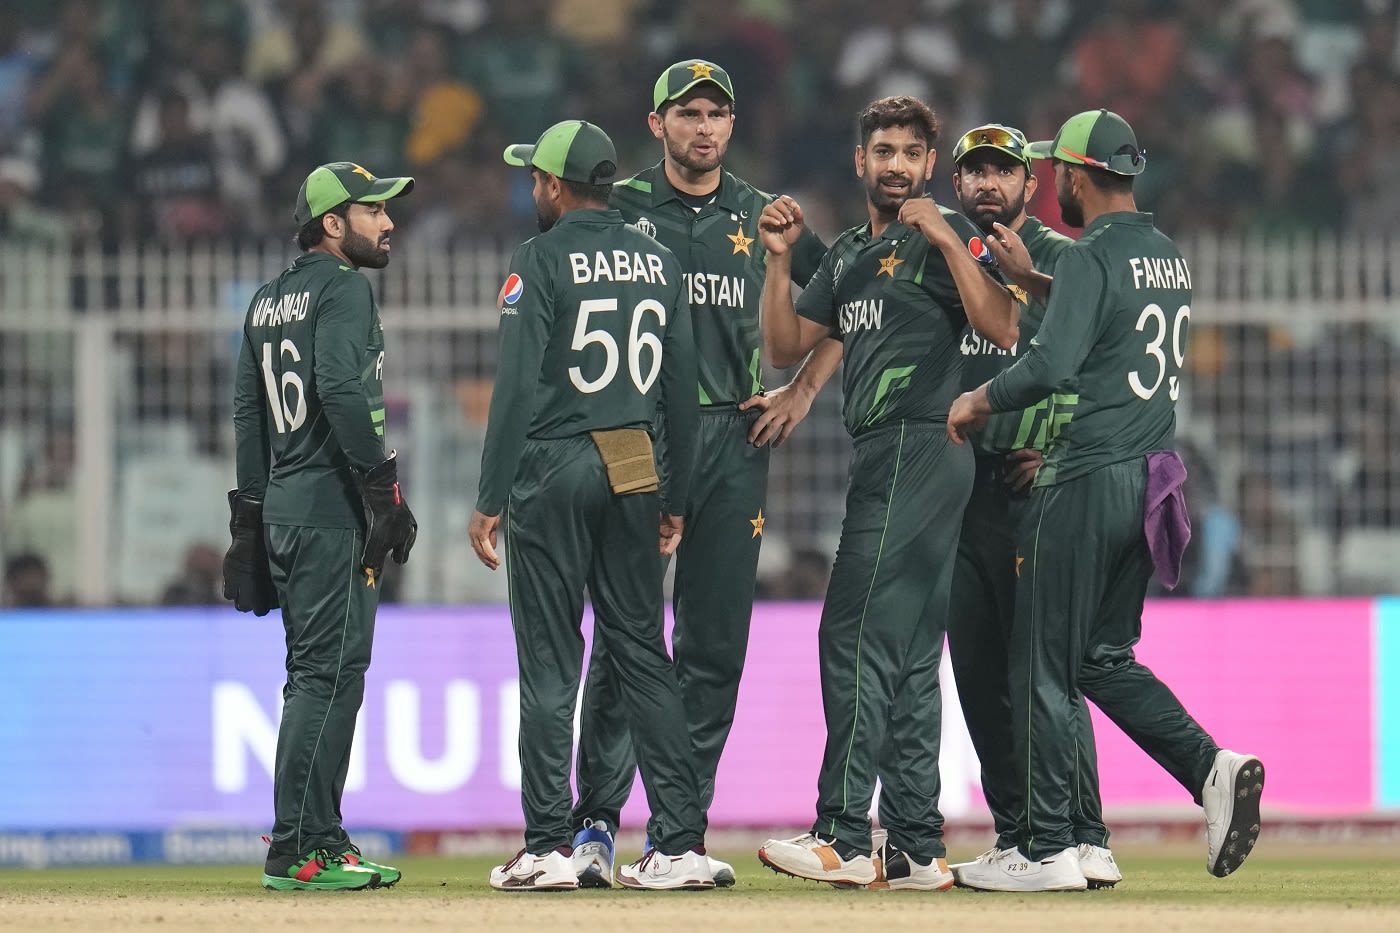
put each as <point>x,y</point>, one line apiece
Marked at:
<point>1108,182</point>
<point>313,232</point>
<point>696,92</point>
<point>590,194</point>
<point>898,111</point>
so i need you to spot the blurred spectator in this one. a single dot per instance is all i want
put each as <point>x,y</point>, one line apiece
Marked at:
<point>44,517</point>
<point>530,78</point>
<point>22,220</point>
<point>1370,185</point>
<point>363,119</point>
<point>174,190</point>
<point>1270,538</point>
<point>17,68</point>
<point>1021,45</point>
<point>898,49</point>
<point>1126,58</point>
<point>84,142</point>
<point>248,142</point>
<point>200,582</point>
<point>445,111</point>
<point>27,582</point>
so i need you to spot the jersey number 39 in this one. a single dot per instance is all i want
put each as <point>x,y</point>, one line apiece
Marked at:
<point>1153,315</point>
<point>636,340</point>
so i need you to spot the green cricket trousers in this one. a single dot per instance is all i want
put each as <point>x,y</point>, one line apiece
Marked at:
<point>716,566</point>
<point>565,531</point>
<point>1078,615</point>
<point>881,636</point>
<point>328,614</point>
<point>979,629</point>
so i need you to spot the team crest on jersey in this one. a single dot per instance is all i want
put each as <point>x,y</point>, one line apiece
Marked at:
<point>646,226</point>
<point>511,291</point>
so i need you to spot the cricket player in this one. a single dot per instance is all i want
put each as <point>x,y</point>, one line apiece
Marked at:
<point>595,334</point>
<point>897,291</point>
<point>318,508</point>
<point>993,179</point>
<point>1105,510</point>
<point>709,218</point>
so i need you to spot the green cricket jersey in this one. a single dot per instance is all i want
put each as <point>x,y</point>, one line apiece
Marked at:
<point>1117,317</point>
<point>719,249</point>
<point>892,302</point>
<point>594,333</point>
<point>982,359</point>
<point>309,395</point>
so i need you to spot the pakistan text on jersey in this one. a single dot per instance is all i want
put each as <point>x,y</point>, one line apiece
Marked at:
<point>272,312</point>
<point>1156,272</point>
<point>617,266</point>
<point>717,291</point>
<point>861,314</point>
<point>974,344</point>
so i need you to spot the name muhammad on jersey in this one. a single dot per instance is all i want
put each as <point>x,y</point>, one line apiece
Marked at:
<point>272,311</point>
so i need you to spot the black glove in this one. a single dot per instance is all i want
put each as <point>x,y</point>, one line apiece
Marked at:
<point>389,525</point>
<point>247,576</point>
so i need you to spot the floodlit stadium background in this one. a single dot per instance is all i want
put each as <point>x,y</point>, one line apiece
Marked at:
<point>149,153</point>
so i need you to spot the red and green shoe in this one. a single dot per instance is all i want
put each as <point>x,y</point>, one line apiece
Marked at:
<point>323,871</point>
<point>388,875</point>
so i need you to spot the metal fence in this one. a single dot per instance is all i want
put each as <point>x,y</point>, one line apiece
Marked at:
<point>116,437</point>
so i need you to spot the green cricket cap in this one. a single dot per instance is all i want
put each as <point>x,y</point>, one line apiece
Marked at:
<point>682,76</point>
<point>331,185</point>
<point>1005,139</point>
<point>574,150</point>
<point>1099,138</point>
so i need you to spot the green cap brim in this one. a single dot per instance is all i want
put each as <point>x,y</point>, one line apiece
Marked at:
<point>1043,149</point>
<point>519,155</point>
<point>384,189</point>
<point>686,89</point>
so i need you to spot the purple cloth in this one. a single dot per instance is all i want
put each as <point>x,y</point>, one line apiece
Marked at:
<point>1164,518</point>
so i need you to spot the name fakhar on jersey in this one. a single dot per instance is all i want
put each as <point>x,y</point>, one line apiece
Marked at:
<point>861,314</point>
<point>1157,272</point>
<point>617,266</point>
<point>272,312</point>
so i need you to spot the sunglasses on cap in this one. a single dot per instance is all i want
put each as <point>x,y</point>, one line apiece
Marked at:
<point>1126,161</point>
<point>998,136</point>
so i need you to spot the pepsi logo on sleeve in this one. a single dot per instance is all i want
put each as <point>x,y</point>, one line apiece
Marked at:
<point>511,291</point>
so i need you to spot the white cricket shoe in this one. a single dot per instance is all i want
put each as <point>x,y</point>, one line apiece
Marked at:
<point>689,871</point>
<point>553,871</point>
<point>989,856</point>
<point>815,859</point>
<point>1012,871</point>
<point>1099,868</point>
<point>1231,801</point>
<point>896,871</point>
<point>723,872</point>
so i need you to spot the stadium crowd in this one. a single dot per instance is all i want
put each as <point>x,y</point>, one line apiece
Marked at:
<point>177,119</point>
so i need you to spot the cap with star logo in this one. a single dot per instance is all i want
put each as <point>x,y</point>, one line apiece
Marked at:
<point>681,77</point>
<point>331,185</point>
<point>574,150</point>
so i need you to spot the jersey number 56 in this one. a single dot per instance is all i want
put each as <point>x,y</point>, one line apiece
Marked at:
<point>636,340</point>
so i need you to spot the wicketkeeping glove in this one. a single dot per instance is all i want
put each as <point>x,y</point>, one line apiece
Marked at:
<point>247,576</point>
<point>389,525</point>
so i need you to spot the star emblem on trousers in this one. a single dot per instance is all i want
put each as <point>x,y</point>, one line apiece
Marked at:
<point>887,265</point>
<point>757,524</point>
<point>741,242</point>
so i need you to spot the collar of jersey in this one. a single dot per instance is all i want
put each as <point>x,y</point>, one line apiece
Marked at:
<point>662,190</point>
<point>1138,218</point>
<point>589,215</point>
<point>895,231</point>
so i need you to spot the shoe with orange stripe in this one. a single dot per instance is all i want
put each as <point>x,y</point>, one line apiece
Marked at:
<point>896,870</point>
<point>320,871</point>
<point>816,859</point>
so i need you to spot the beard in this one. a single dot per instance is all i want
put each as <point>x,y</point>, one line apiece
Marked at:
<point>544,218</point>
<point>363,252</point>
<point>1071,211</point>
<point>991,211</point>
<point>692,162</point>
<point>886,204</point>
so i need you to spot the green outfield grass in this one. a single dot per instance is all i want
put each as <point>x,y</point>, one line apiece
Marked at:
<point>1327,875</point>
